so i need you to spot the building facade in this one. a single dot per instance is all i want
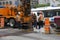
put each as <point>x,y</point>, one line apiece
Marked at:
<point>54,2</point>
<point>43,1</point>
<point>10,2</point>
<point>34,2</point>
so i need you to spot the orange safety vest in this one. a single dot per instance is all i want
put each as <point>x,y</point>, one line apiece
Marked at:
<point>41,17</point>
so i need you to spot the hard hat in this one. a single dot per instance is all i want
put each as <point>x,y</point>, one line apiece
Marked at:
<point>21,14</point>
<point>41,12</point>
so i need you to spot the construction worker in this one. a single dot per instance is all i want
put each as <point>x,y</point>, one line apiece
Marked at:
<point>32,18</point>
<point>34,21</point>
<point>40,20</point>
<point>18,18</point>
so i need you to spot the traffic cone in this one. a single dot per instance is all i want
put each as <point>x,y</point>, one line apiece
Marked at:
<point>47,26</point>
<point>2,22</point>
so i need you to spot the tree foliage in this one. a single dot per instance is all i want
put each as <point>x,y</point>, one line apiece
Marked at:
<point>41,5</point>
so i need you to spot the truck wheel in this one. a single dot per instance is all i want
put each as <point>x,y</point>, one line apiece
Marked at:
<point>12,23</point>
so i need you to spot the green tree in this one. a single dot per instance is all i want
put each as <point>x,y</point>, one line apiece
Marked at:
<point>41,5</point>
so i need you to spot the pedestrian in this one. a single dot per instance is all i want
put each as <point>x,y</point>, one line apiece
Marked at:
<point>35,21</point>
<point>32,18</point>
<point>40,20</point>
<point>19,19</point>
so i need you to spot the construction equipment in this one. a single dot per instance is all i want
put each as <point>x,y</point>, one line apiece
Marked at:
<point>8,14</point>
<point>21,13</point>
<point>27,20</point>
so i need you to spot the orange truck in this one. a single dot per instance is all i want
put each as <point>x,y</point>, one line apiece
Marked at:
<point>10,14</point>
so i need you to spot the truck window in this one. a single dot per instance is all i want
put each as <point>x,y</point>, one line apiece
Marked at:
<point>10,2</point>
<point>6,2</point>
<point>3,3</point>
<point>0,3</point>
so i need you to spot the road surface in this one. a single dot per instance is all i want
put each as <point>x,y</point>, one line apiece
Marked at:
<point>16,34</point>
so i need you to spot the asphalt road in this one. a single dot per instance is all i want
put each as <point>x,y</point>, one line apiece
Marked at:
<point>16,34</point>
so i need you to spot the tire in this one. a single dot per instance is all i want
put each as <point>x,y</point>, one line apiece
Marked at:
<point>6,21</point>
<point>12,23</point>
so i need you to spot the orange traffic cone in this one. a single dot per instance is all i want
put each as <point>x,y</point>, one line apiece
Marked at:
<point>2,22</point>
<point>47,26</point>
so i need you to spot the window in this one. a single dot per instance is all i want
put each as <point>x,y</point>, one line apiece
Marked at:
<point>10,2</point>
<point>0,3</point>
<point>6,2</point>
<point>38,14</point>
<point>3,3</point>
<point>58,0</point>
<point>59,13</point>
<point>49,13</point>
<point>27,1</point>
